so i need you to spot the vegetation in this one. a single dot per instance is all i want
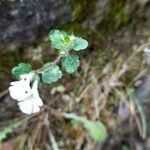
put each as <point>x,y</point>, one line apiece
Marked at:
<point>82,93</point>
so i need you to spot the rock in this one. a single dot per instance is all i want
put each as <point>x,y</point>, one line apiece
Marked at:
<point>23,21</point>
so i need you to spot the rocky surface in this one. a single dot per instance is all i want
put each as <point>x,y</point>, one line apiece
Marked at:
<point>23,21</point>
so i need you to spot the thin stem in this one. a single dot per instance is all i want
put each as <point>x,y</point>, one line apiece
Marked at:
<point>56,61</point>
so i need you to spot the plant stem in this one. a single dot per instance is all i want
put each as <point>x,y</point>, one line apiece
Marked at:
<point>56,61</point>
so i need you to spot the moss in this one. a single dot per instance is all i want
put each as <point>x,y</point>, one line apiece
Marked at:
<point>81,9</point>
<point>117,16</point>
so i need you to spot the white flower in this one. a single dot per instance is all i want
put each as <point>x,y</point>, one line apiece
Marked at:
<point>21,89</point>
<point>28,97</point>
<point>32,103</point>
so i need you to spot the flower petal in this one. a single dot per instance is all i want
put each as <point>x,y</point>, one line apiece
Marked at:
<point>17,82</point>
<point>35,92</point>
<point>29,99</point>
<point>20,93</point>
<point>28,106</point>
<point>20,90</point>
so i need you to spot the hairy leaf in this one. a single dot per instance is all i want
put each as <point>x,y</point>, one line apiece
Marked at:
<point>22,68</point>
<point>52,74</point>
<point>59,39</point>
<point>70,63</point>
<point>80,44</point>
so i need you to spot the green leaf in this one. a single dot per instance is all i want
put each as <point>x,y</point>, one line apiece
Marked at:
<point>96,129</point>
<point>52,74</point>
<point>58,45</point>
<point>22,68</point>
<point>56,35</point>
<point>8,129</point>
<point>64,42</point>
<point>59,39</point>
<point>70,63</point>
<point>130,91</point>
<point>80,44</point>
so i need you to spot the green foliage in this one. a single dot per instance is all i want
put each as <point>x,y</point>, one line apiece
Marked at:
<point>119,14</point>
<point>52,74</point>
<point>130,91</point>
<point>8,129</point>
<point>96,129</point>
<point>125,147</point>
<point>70,63</point>
<point>59,39</point>
<point>22,68</point>
<point>80,44</point>
<point>64,42</point>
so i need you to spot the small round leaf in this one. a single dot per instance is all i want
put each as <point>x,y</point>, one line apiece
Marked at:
<point>52,74</point>
<point>80,44</point>
<point>58,39</point>
<point>70,63</point>
<point>55,35</point>
<point>22,68</point>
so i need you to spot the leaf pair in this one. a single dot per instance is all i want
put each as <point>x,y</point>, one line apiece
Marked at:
<point>64,42</point>
<point>51,74</point>
<point>70,63</point>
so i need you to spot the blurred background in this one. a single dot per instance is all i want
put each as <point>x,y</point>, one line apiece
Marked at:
<point>112,84</point>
